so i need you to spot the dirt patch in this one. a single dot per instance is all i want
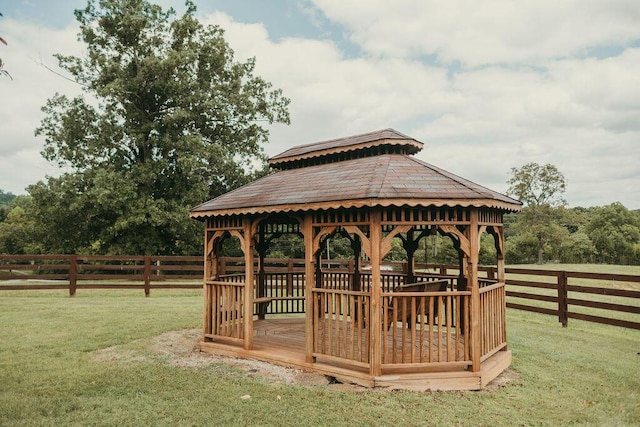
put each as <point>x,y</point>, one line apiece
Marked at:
<point>507,377</point>
<point>180,348</point>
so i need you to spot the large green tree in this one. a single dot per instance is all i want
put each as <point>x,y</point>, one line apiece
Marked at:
<point>540,188</point>
<point>615,233</point>
<point>168,119</point>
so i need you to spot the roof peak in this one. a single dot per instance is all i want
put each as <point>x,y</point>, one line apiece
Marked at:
<point>386,141</point>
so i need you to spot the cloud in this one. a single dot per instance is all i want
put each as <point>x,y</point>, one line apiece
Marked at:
<point>476,122</point>
<point>29,46</point>
<point>528,89</point>
<point>477,32</point>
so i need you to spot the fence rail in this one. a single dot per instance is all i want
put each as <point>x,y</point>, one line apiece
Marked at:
<point>73,272</point>
<point>612,299</point>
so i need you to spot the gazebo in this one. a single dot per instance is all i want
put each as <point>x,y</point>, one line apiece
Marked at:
<point>407,330</point>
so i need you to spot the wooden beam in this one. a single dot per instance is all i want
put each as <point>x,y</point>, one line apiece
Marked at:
<point>307,231</point>
<point>364,240</point>
<point>247,317</point>
<point>386,242</point>
<point>375,323</point>
<point>472,283</point>
<point>462,239</point>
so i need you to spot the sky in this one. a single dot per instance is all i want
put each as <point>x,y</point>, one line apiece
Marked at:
<point>487,86</point>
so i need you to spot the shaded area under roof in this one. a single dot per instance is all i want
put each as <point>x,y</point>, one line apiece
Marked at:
<point>384,180</point>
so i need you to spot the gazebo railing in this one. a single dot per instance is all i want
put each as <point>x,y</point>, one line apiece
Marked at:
<point>286,289</point>
<point>224,300</point>
<point>493,319</point>
<point>340,326</point>
<point>433,331</point>
<point>425,328</point>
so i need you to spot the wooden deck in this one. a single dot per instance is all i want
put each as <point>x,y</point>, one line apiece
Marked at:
<point>282,341</point>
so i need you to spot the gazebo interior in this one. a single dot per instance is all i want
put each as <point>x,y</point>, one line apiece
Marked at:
<point>407,329</point>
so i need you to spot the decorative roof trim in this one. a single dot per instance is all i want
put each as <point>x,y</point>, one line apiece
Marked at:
<point>386,137</point>
<point>360,203</point>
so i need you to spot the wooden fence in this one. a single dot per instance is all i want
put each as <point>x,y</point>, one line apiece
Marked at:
<point>612,299</point>
<point>73,272</point>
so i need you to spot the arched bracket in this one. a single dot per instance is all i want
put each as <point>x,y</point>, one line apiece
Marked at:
<point>243,243</point>
<point>452,230</point>
<point>385,245</point>
<point>498,239</point>
<point>364,240</point>
<point>212,238</point>
<point>317,239</point>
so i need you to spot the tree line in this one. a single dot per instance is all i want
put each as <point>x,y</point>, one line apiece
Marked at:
<point>168,119</point>
<point>601,234</point>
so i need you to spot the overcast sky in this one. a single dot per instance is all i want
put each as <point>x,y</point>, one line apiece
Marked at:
<point>485,85</point>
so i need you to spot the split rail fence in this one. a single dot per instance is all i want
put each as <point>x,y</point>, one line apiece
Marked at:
<point>612,299</point>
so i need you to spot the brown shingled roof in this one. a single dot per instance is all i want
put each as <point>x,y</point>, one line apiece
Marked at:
<point>385,180</point>
<point>385,137</point>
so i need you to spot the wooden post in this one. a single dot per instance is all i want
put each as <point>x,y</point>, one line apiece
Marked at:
<point>262,276</point>
<point>563,307</point>
<point>147,275</point>
<point>223,266</point>
<point>375,328</point>
<point>356,245</point>
<point>208,274</point>
<point>410,246</point>
<point>73,275</point>
<point>247,320</point>
<point>290,277</point>
<point>309,280</point>
<point>472,277</point>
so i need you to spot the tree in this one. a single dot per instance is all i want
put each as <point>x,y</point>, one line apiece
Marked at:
<point>177,121</point>
<point>540,188</point>
<point>536,185</point>
<point>615,233</point>
<point>2,70</point>
<point>16,228</point>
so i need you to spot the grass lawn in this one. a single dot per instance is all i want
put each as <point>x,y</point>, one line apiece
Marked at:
<point>586,374</point>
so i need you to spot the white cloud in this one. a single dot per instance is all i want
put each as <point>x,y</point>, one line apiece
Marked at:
<point>28,47</point>
<point>476,32</point>
<point>528,90</point>
<point>477,122</point>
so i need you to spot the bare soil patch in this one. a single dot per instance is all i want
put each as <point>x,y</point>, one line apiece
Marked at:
<point>179,348</point>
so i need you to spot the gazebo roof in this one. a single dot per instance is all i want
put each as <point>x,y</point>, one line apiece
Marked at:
<point>386,141</point>
<point>377,180</point>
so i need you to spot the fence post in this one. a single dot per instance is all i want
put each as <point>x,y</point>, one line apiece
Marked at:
<point>73,275</point>
<point>290,277</point>
<point>563,307</point>
<point>223,266</point>
<point>147,275</point>
<point>491,274</point>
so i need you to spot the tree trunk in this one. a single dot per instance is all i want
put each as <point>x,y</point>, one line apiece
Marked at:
<point>540,247</point>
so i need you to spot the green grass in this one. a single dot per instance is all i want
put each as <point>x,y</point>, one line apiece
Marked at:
<point>586,374</point>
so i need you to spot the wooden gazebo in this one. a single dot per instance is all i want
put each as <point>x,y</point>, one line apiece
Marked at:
<point>407,330</point>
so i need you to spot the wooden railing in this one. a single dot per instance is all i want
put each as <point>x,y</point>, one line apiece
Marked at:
<point>493,319</point>
<point>341,325</point>
<point>612,299</point>
<point>73,272</point>
<point>224,310</point>
<point>434,328</point>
